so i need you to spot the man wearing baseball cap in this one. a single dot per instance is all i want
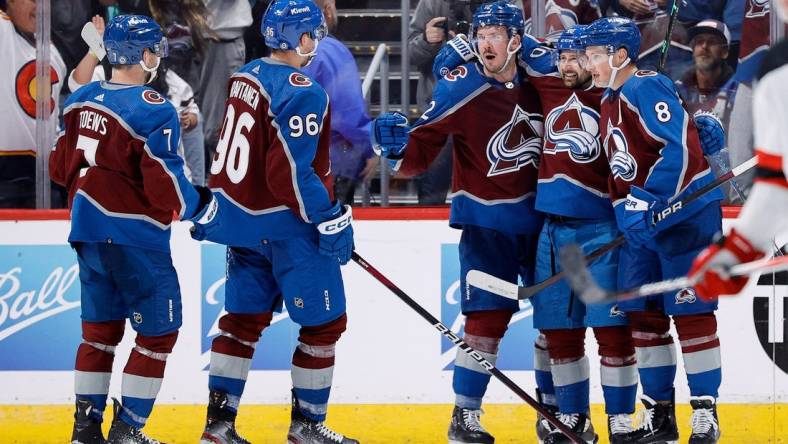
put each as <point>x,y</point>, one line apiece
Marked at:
<point>705,83</point>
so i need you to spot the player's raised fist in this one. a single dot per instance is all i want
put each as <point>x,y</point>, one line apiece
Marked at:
<point>451,55</point>
<point>390,134</point>
<point>713,263</point>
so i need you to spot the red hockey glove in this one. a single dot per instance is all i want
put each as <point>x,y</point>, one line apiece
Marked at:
<point>713,263</point>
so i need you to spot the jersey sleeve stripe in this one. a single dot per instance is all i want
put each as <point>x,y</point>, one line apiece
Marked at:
<point>769,161</point>
<point>175,185</point>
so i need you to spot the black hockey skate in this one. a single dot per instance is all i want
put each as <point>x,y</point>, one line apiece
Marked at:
<point>543,427</point>
<point>86,429</point>
<point>657,423</point>
<point>220,422</point>
<point>304,430</point>
<point>579,423</point>
<point>619,429</point>
<point>122,433</point>
<point>705,424</point>
<point>465,428</point>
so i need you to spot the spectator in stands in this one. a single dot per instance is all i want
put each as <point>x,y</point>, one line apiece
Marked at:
<point>709,79</point>
<point>68,17</point>
<point>227,19</point>
<point>18,109</point>
<point>352,159</point>
<point>170,85</point>
<point>433,22</point>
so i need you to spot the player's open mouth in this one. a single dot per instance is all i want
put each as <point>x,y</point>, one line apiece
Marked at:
<point>489,56</point>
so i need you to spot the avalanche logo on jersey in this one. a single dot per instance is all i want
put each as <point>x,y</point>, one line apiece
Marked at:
<point>573,128</point>
<point>458,73</point>
<point>622,164</point>
<point>516,144</point>
<point>757,8</point>
<point>298,79</point>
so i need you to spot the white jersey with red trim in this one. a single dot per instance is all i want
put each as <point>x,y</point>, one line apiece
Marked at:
<point>18,89</point>
<point>766,212</point>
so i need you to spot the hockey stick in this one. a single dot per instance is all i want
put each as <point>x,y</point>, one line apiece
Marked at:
<point>484,363</point>
<point>480,279</point>
<point>590,292</point>
<point>674,13</point>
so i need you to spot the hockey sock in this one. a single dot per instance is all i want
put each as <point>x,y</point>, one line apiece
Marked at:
<point>483,332</point>
<point>700,348</point>
<point>313,367</point>
<point>618,368</point>
<point>569,366</point>
<point>143,375</point>
<point>93,366</point>
<point>656,356</point>
<point>544,378</point>
<point>231,354</point>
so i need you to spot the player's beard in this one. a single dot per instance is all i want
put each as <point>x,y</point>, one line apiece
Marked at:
<point>576,79</point>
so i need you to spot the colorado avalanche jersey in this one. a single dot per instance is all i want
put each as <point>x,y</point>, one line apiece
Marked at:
<point>497,132</point>
<point>573,173</point>
<point>651,142</point>
<point>271,172</point>
<point>118,157</point>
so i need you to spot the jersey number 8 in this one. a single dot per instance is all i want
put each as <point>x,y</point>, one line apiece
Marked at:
<point>232,136</point>
<point>663,112</point>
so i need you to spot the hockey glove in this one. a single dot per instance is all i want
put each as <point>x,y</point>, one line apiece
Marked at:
<point>389,135</point>
<point>639,212</point>
<point>336,232</point>
<point>205,221</point>
<point>451,55</point>
<point>710,131</point>
<point>712,266</point>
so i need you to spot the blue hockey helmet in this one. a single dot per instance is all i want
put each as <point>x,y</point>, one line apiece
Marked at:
<point>499,13</point>
<point>127,36</point>
<point>571,39</point>
<point>285,21</point>
<point>613,33</point>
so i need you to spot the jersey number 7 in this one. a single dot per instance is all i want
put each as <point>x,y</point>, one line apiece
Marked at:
<point>233,147</point>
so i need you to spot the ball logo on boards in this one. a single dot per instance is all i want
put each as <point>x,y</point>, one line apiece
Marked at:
<point>275,348</point>
<point>39,307</point>
<point>516,351</point>
<point>769,316</point>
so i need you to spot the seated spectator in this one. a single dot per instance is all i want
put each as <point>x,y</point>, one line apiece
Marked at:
<point>18,110</point>
<point>707,81</point>
<point>334,68</point>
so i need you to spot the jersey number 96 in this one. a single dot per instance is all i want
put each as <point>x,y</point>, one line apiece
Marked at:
<point>233,147</point>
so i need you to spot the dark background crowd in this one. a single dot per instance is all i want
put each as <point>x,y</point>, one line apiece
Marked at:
<point>714,54</point>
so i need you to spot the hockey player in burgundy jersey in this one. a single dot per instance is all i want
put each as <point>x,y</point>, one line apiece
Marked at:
<point>118,158</point>
<point>572,191</point>
<point>495,119</point>
<point>655,159</point>
<point>286,235</point>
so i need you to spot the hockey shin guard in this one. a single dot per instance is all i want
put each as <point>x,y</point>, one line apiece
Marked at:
<point>93,366</point>
<point>544,377</point>
<point>483,332</point>
<point>618,368</point>
<point>570,368</point>
<point>232,352</point>
<point>313,366</point>
<point>143,375</point>
<point>655,353</point>
<point>700,348</point>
